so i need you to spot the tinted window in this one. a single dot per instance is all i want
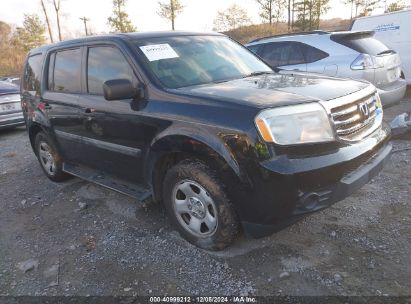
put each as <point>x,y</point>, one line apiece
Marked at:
<point>50,71</point>
<point>31,81</point>
<point>282,53</point>
<point>363,43</point>
<point>312,54</point>
<point>67,68</point>
<point>106,63</point>
<point>254,48</point>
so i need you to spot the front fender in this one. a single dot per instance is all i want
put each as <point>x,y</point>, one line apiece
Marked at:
<point>192,139</point>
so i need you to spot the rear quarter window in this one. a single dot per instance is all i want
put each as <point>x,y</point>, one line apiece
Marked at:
<point>32,74</point>
<point>313,54</point>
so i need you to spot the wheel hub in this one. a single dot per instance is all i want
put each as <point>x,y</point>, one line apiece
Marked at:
<point>196,207</point>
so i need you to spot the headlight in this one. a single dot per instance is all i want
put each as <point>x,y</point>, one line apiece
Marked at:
<point>306,123</point>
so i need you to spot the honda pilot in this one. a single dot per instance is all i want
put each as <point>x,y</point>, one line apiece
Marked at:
<point>200,123</point>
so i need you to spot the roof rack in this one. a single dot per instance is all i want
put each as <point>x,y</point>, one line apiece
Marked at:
<point>319,32</point>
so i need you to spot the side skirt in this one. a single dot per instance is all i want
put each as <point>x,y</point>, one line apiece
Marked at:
<point>138,192</point>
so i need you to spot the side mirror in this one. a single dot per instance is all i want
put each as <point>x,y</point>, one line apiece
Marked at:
<point>117,89</point>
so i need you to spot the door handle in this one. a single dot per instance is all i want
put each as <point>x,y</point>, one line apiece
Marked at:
<point>89,111</point>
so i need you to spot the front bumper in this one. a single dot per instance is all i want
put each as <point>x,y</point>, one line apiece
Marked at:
<point>292,188</point>
<point>10,120</point>
<point>392,93</point>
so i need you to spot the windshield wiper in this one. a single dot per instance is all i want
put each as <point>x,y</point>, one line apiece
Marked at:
<point>258,73</point>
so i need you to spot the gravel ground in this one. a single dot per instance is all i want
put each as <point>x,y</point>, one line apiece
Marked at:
<point>76,238</point>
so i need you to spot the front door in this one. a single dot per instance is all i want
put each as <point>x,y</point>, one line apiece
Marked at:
<point>112,132</point>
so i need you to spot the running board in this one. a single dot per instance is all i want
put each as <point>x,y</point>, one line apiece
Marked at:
<point>113,183</point>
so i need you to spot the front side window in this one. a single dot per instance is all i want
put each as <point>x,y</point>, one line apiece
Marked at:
<point>31,79</point>
<point>106,63</point>
<point>193,60</point>
<point>67,71</point>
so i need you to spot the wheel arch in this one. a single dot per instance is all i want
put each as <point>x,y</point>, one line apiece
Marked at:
<point>173,148</point>
<point>33,130</point>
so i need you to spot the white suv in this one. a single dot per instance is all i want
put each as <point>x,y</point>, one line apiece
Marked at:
<point>344,54</point>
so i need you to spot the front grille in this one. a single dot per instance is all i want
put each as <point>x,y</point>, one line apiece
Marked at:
<point>353,120</point>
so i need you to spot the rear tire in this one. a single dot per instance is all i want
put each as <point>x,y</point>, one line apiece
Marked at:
<point>198,206</point>
<point>50,160</point>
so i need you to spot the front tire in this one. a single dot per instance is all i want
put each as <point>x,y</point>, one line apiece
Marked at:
<point>50,160</point>
<point>198,206</point>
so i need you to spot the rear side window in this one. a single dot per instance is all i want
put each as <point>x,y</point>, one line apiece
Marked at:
<point>362,43</point>
<point>32,72</point>
<point>282,53</point>
<point>312,54</point>
<point>254,48</point>
<point>106,63</point>
<point>289,53</point>
<point>65,77</point>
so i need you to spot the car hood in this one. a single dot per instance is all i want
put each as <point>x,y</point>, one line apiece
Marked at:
<point>278,89</point>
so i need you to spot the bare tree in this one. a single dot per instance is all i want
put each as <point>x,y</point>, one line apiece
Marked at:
<point>266,10</point>
<point>170,11</point>
<point>289,15</point>
<point>309,13</point>
<point>231,18</point>
<point>271,10</point>
<point>57,6</point>
<point>47,21</point>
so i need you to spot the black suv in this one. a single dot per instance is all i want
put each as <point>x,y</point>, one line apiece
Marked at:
<point>203,125</point>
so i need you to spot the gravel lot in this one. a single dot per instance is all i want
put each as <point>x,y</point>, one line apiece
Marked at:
<point>76,238</point>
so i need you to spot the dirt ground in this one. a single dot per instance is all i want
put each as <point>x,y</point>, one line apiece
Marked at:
<point>76,238</point>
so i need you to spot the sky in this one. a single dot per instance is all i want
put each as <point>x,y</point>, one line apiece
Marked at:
<point>198,15</point>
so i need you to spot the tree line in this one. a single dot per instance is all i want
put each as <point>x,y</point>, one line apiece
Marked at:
<point>299,15</point>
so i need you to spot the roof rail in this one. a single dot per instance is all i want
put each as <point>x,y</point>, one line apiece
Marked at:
<point>319,32</point>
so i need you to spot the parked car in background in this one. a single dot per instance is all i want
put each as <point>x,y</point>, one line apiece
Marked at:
<point>394,30</point>
<point>355,55</point>
<point>12,79</point>
<point>11,114</point>
<point>199,122</point>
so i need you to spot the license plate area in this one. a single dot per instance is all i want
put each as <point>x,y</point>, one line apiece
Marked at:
<point>8,107</point>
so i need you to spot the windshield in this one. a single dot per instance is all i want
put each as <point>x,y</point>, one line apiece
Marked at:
<point>192,60</point>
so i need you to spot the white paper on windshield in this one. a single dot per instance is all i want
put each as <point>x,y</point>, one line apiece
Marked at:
<point>158,51</point>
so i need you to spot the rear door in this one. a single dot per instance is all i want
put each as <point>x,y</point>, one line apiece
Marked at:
<point>313,58</point>
<point>60,99</point>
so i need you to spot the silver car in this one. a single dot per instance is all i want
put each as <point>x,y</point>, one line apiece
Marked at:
<point>11,114</point>
<point>344,54</point>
